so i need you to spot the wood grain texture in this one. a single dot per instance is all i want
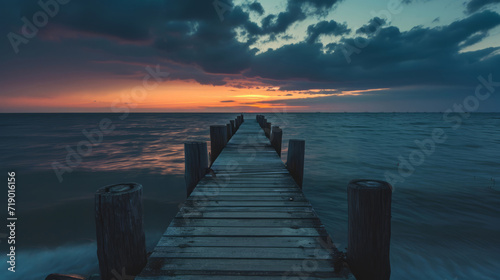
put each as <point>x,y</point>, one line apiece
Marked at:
<point>196,164</point>
<point>295,160</point>
<point>369,229</point>
<point>119,230</point>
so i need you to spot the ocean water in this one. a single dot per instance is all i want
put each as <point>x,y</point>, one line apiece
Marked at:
<point>445,209</point>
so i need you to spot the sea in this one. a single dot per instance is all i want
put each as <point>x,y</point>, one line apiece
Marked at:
<point>445,172</point>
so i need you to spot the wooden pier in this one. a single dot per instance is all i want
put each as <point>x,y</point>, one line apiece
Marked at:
<point>245,217</point>
<point>248,219</point>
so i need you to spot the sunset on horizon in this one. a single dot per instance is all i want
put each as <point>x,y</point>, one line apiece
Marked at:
<point>247,56</point>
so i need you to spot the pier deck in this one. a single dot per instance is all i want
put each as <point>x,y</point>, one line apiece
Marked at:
<point>251,221</point>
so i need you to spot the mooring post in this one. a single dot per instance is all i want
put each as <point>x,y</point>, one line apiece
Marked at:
<point>233,129</point>
<point>229,131</point>
<point>218,140</point>
<point>295,160</point>
<point>121,243</point>
<point>276,138</point>
<point>369,229</point>
<point>196,164</point>
<point>267,130</point>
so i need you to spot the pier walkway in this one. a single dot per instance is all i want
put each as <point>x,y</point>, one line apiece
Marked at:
<point>249,221</point>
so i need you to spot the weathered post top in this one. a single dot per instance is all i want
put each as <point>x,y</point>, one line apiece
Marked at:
<point>118,218</point>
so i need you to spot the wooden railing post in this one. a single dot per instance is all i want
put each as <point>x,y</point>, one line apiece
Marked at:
<point>369,230</point>
<point>295,160</point>
<point>233,128</point>
<point>218,140</point>
<point>267,129</point>
<point>229,131</point>
<point>121,244</point>
<point>240,121</point>
<point>196,164</point>
<point>276,139</point>
<point>261,120</point>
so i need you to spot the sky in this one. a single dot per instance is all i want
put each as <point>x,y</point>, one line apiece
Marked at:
<point>250,56</point>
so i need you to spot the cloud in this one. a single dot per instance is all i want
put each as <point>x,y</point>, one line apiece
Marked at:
<point>475,5</point>
<point>326,28</point>
<point>420,56</point>
<point>296,11</point>
<point>373,26</point>
<point>189,40</point>
<point>227,101</point>
<point>256,7</point>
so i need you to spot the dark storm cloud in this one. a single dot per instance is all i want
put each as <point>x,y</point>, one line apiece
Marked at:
<point>372,26</point>
<point>420,56</point>
<point>475,5</point>
<point>256,7</point>
<point>189,40</point>
<point>326,28</point>
<point>295,11</point>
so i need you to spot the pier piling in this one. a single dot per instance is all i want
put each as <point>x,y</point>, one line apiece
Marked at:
<point>276,139</point>
<point>369,229</point>
<point>233,128</point>
<point>295,160</point>
<point>229,131</point>
<point>196,164</point>
<point>120,236</point>
<point>218,140</point>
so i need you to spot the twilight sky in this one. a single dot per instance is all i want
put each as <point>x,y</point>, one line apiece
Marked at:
<point>246,55</point>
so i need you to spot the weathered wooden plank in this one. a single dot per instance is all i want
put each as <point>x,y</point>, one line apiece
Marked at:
<point>243,193</point>
<point>240,241</point>
<point>242,253</point>
<point>238,265</point>
<point>207,209</point>
<point>242,231</point>
<point>224,196</point>
<point>200,222</point>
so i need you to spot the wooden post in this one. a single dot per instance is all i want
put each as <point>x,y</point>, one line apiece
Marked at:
<point>121,243</point>
<point>229,131</point>
<point>239,121</point>
<point>233,129</point>
<point>260,120</point>
<point>369,230</point>
<point>276,139</point>
<point>267,130</point>
<point>295,159</point>
<point>236,124</point>
<point>218,140</point>
<point>196,164</point>
<point>242,118</point>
